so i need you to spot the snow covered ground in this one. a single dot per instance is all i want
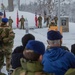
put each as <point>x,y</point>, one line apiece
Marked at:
<point>41,33</point>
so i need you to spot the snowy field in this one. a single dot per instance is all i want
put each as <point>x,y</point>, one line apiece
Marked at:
<point>41,33</point>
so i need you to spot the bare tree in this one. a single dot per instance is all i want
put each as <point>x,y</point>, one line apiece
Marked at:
<point>18,4</point>
<point>50,6</point>
<point>39,8</point>
<point>10,5</point>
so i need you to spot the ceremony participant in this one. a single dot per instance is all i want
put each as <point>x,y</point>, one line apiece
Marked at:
<point>56,59</point>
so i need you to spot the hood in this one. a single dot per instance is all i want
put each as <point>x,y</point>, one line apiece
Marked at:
<point>54,53</point>
<point>15,61</point>
<point>52,61</point>
<point>32,66</point>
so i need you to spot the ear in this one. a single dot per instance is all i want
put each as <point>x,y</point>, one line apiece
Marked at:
<point>47,41</point>
<point>40,58</point>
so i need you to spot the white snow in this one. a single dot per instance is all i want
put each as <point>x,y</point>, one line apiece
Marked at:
<point>41,33</point>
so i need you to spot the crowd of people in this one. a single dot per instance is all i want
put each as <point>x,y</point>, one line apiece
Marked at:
<point>50,21</point>
<point>32,58</point>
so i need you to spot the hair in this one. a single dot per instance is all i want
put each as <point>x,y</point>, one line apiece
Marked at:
<point>26,38</point>
<point>3,24</point>
<point>54,42</point>
<point>31,55</point>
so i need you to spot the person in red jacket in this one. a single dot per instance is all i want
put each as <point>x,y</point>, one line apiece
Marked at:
<point>36,20</point>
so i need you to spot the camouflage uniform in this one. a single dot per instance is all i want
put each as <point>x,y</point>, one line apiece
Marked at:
<point>10,22</point>
<point>22,20</point>
<point>40,21</point>
<point>29,68</point>
<point>6,40</point>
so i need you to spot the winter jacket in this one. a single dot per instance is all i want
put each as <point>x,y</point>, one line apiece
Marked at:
<point>71,71</point>
<point>22,20</point>
<point>57,60</point>
<point>10,22</point>
<point>29,68</point>
<point>16,56</point>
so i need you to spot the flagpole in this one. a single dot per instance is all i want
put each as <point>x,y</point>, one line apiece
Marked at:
<point>17,20</point>
<point>58,15</point>
<point>4,14</point>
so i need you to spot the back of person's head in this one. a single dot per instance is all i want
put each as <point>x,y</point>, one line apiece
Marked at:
<point>22,16</point>
<point>26,38</point>
<point>34,49</point>
<point>9,17</point>
<point>54,37</point>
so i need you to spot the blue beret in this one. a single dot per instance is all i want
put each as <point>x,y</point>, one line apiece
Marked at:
<point>5,20</point>
<point>54,35</point>
<point>36,46</point>
<point>1,13</point>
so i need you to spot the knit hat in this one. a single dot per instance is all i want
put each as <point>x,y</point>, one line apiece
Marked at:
<point>54,35</point>
<point>36,46</point>
<point>5,20</point>
<point>1,13</point>
<point>26,38</point>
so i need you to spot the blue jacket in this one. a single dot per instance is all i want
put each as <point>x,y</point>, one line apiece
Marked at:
<point>58,61</point>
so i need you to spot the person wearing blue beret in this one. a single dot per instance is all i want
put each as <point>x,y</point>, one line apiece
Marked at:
<point>31,63</point>
<point>6,43</point>
<point>56,59</point>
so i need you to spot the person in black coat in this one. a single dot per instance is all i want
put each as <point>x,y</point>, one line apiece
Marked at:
<point>18,51</point>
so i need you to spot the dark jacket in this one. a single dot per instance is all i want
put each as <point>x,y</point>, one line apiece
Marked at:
<point>57,60</point>
<point>16,56</point>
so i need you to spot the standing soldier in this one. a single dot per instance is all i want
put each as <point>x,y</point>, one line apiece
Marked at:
<point>1,14</point>
<point>2,7</point>
<point>6,39</point>
<point>56,19</point>
<point>40,21</point>
<point>10,21</point>
<point>22,20</point>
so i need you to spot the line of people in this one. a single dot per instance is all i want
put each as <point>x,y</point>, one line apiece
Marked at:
<point>33,59</point>
<point>10,21</point>
<point>38,21</point>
